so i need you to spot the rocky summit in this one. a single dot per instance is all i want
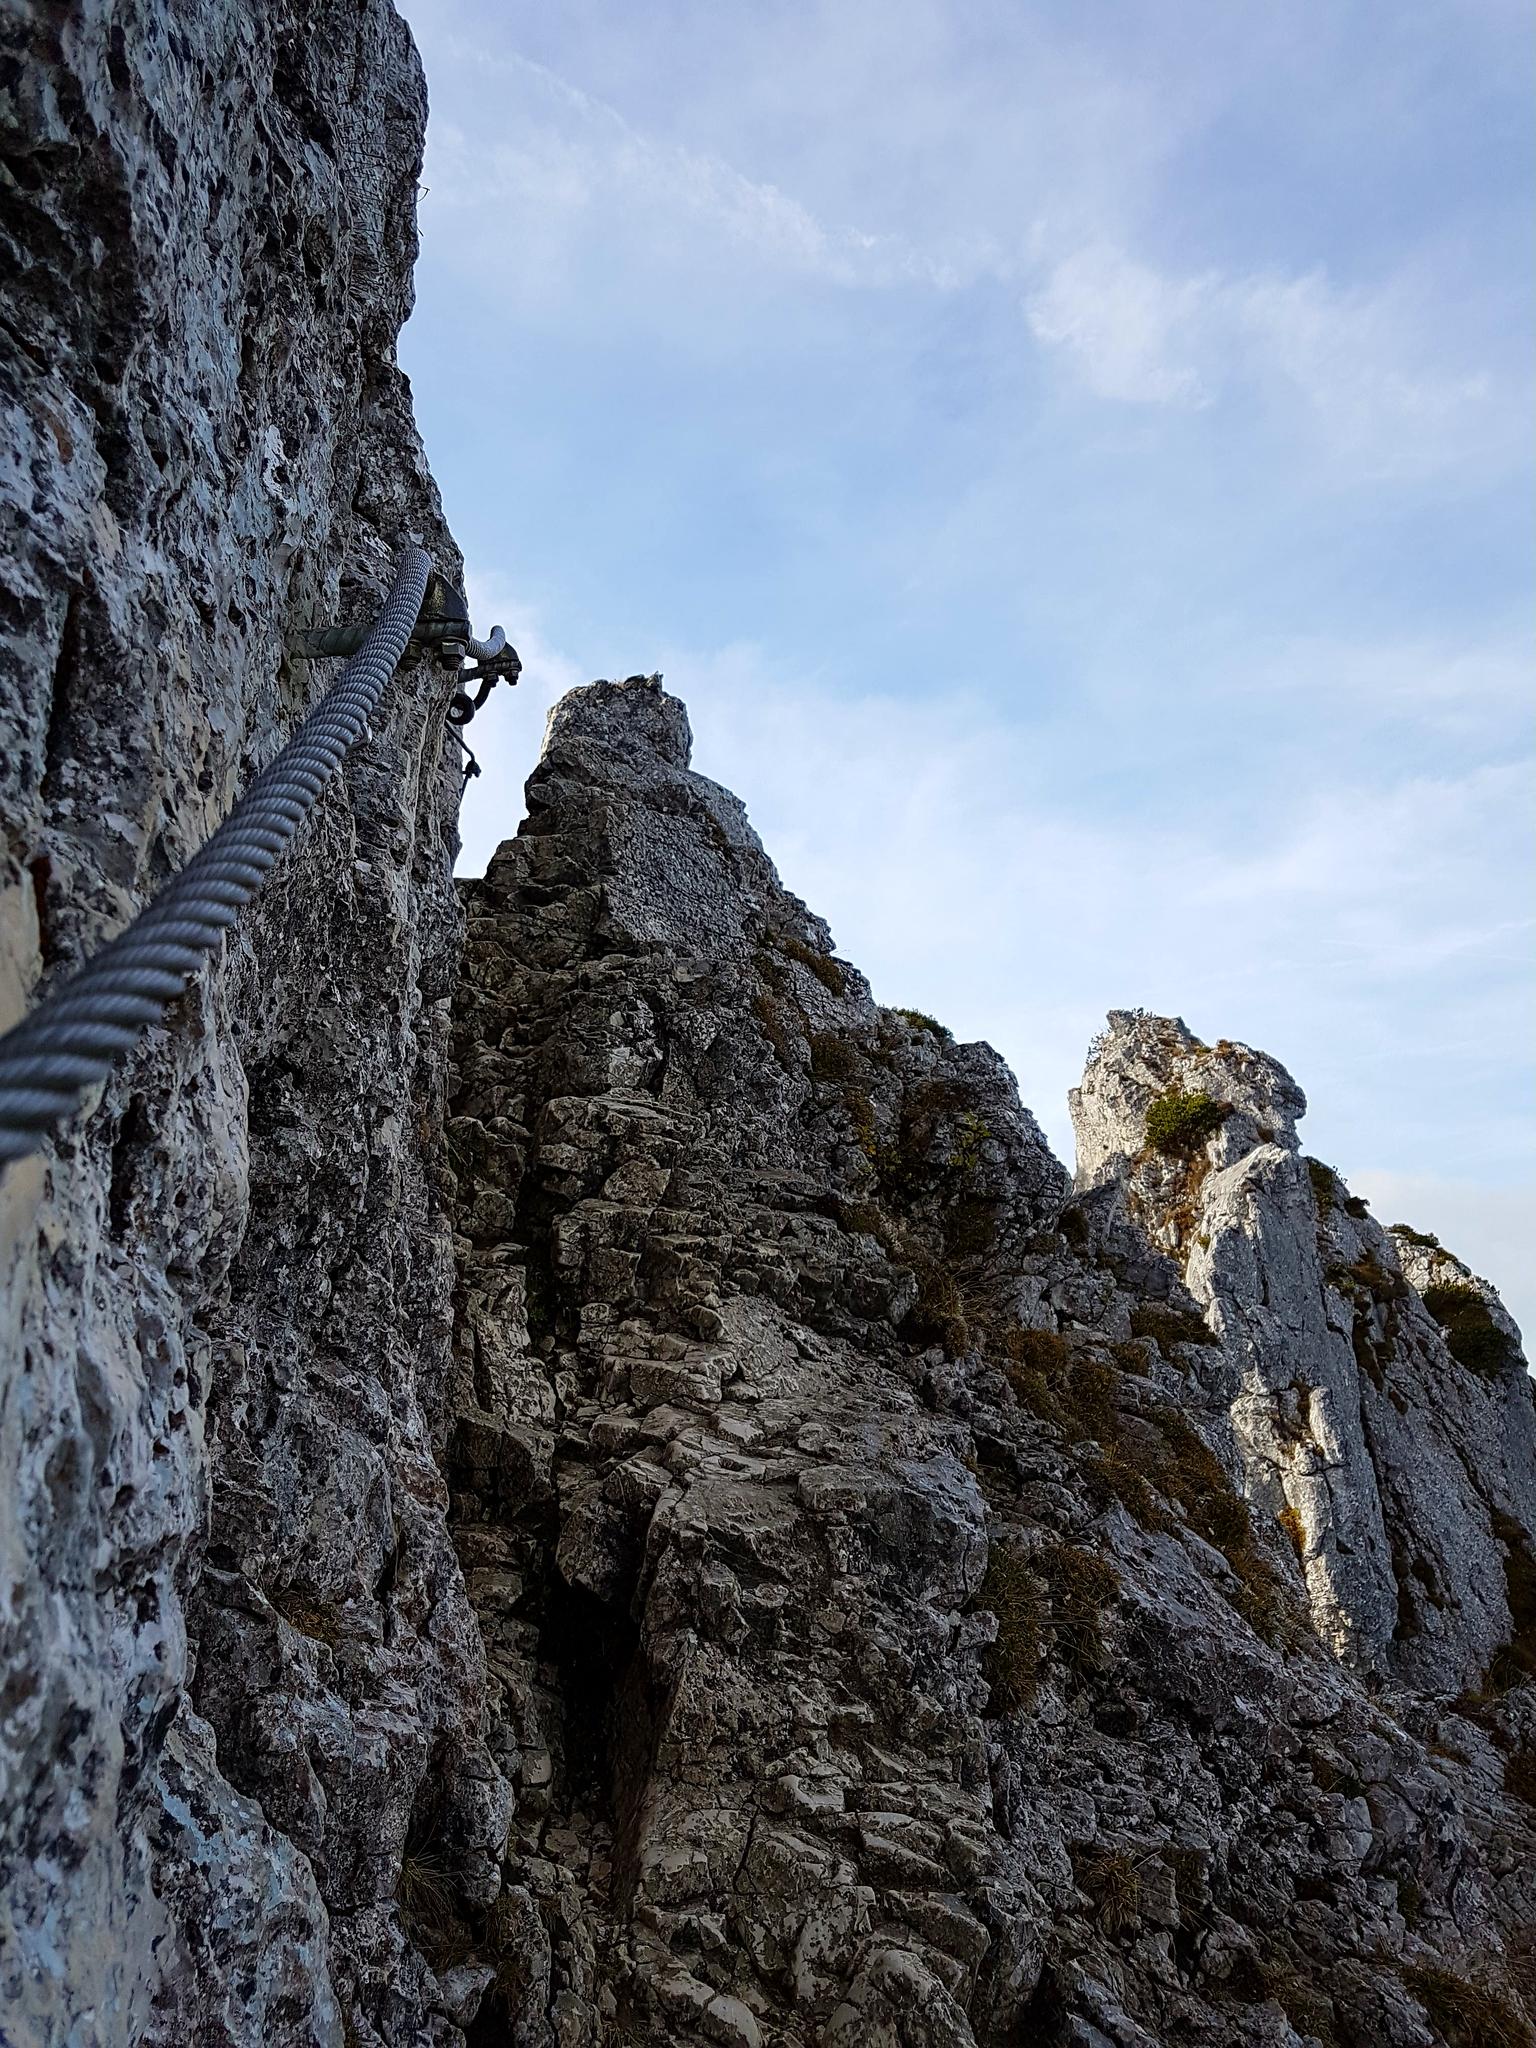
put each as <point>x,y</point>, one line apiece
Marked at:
<point>924,1603</point>
<point>571,1480</point>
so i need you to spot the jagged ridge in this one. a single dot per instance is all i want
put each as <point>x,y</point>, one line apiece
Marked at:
<point>896,1634</point>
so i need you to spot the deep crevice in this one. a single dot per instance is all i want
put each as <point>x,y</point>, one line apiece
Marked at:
<point>58,743</point>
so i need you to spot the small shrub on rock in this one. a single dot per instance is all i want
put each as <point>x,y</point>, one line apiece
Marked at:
<point>921,1021</point>
<point>971,1133</point>
<point>1472,1337</point>
<point>1325,1186</point>
<point>832,1058</point>
<point>1515,1663</point>
<point>1178,1122</point>
<point>1425,1238</point>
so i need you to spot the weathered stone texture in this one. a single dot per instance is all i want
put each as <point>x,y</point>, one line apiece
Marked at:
<point>879,1647</point>
<point>234,1635</point>
<point>1400,1460</point>
<point>808,1576</point>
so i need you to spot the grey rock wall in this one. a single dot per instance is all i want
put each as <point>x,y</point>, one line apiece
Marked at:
<point>880,1650</point>
<point>1407,1462</point>
<point>233,1634</point>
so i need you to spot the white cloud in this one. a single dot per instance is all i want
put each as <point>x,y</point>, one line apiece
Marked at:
<point>1362,362</point>
<point>1130,333</point>
<point>1479,689</point>
<point>571,166</point>
<point>583,204</point>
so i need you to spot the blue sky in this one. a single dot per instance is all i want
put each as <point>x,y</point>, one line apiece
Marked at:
<point>1075,463</point>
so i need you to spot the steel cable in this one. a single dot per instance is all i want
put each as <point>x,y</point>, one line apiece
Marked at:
<point>70,1041</point>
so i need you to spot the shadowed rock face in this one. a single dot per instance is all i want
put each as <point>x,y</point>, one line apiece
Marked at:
<point>1400,1460</point>
<point>224,1292</point>
<point>881,1647</point>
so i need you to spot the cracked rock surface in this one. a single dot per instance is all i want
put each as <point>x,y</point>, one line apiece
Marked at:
<point>893,1633</point>
<point>233,1634</point>
<point>1405,1452</point>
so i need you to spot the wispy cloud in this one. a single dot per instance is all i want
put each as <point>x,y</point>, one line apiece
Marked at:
<point>570,160</point>
<point>1368,365</point>
<point>572,187</point>
<point>1129,332</point>
<point>1361,362</point>
<point>1070,456</point>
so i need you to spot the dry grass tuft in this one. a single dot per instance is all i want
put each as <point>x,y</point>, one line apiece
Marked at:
<point>1167,1325</point>
<point>1082,1589</point>
<point>1464,2014</point>
<point>833,1058</point>
<point>428,1901</point>
<point>1057,1602</point>
<point>1112,1880</point>
<point>827,971</point>
<point>773,1015</point>
<point>1011,1591</point>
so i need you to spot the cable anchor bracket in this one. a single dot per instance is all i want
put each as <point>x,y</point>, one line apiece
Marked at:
<point>443,630</point>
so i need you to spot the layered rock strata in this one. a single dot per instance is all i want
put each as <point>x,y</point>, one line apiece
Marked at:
<point>233,1632</point>
<point>888,1642</point>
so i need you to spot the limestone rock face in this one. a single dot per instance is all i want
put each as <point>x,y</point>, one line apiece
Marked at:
<point>881,1647</point>
<point>1404,1460</point>
<point>234,1635</point>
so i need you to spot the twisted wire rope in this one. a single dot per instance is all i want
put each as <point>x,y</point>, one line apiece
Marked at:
<point>70,1041</point>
